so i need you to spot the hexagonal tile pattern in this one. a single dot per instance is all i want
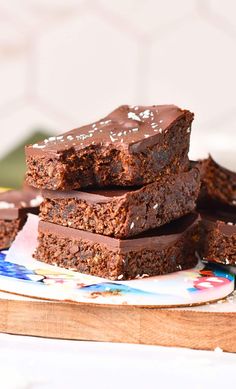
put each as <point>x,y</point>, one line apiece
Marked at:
<point>52,6</point>
<point>195,68</point>
<point>226,9</point>
<point>64,63</point>
<point>13,65</point>
<point>149,15</point>
<point>21,122</point>
<point>217,135</point>
<point>86,68</point>
<point>36,15</point>
<point>203,142</point>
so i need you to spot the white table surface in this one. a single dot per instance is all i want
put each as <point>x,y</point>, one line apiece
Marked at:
<point>34,363</point>
<point>28,362</point>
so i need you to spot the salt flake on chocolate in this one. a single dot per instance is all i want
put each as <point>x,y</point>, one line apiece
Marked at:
<point>133,116</point>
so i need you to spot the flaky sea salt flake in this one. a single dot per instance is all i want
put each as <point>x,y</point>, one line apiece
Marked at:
<point>133,116</point>
<point>112,138</point>
<point>37,146</point>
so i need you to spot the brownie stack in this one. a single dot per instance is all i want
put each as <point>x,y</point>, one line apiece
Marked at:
<point>118,194</point>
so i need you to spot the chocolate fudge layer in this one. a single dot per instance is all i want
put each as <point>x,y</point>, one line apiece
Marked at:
<point>131,146</point>
<point>164,250</point>
<point>124,213</point>
<point>219,183</point>
<point>14,206</point>
<point>219,234</point>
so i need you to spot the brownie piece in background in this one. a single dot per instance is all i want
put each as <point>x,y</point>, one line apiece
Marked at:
<point>14,206</point>
<point>218,227</point>
<point>131,146</point>
<point>217,206</point>
<point>123,213</point>
<point>164,250</point>
<point>218,183</point>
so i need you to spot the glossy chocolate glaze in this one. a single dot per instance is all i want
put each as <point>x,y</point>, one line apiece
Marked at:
<point>154,239</point>
<point>132,127</point>
<point>103,195</point>
<point>92,196</point>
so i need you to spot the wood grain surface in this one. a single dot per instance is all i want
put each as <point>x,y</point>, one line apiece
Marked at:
<point>193,328</point>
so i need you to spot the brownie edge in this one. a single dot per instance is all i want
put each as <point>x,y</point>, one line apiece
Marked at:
<point>8,231</point>
<point>142,144</point>
<point>218,183</point>
<point>218,235</point>
<point>123,213</point>
<point>167,249</point>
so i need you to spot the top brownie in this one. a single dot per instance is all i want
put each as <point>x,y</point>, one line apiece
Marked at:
<point>133,145</point>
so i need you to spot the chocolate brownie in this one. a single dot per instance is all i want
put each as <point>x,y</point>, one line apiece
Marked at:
<point>219,234</point>
<point>218,183</point>
<point>160,251</point>
<point>123,213</point>
<point>131,146</point>
<point>8,231</point>
<point>14,206</point>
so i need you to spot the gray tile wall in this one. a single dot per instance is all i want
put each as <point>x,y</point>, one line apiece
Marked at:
<point>64,63</point>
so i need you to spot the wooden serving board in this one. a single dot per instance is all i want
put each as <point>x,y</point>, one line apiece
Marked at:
<point>203,327</point>
<point>114,311</point>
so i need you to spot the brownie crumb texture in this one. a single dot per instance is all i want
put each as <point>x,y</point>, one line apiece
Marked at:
<point>218,183</point>
<point>8,231</point>
<point>97,259</point>
<point>217,246</point>
<point>139,210</point>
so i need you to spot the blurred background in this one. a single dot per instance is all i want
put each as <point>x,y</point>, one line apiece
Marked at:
<point>64,63</point>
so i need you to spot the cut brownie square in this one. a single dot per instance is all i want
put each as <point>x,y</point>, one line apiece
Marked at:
<point>164,250</point>
<point>123,213</point>
<point>218,183</point>
<point>131,146</point>
<point>14,206</point>
<point>218,227</point>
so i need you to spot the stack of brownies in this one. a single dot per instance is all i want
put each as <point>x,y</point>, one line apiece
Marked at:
<point>119,194</point>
